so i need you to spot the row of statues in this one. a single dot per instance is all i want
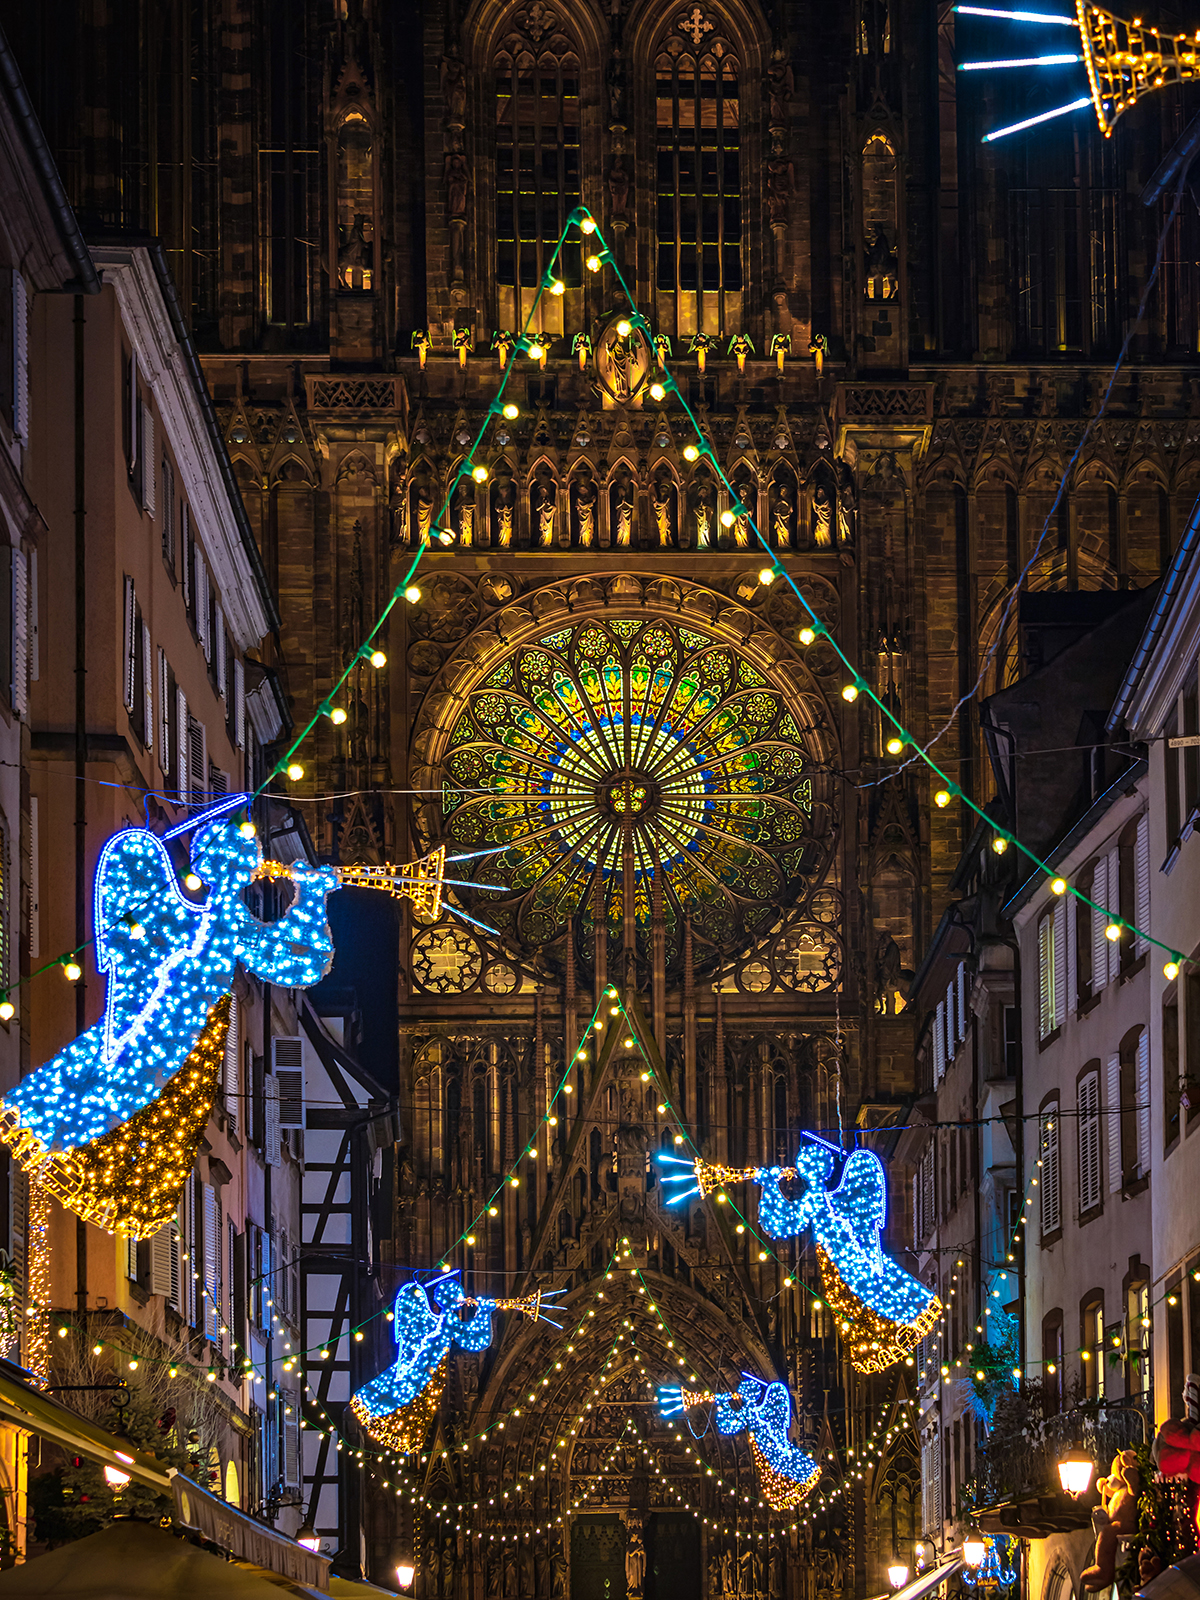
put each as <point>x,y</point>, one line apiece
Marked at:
<point>586,515</point>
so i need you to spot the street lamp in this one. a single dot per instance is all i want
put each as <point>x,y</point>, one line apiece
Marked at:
<point>307,1535</point>
<point>1075,1472</point>
<point>405,1573</point>
<point>897,1575</point>
<point>974,1549</point>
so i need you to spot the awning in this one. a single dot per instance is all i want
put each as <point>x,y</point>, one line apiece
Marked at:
<point>245,1539</point>
<point>929,1581</point>
<point>349,1589</point>
<point>1179,1582</point>
<point>133,1561</point>
<point>26,1407</point>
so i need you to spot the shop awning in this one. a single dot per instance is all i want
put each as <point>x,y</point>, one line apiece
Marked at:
<point>26,1407</point>
<point>248,1541</point>
<point>350,1589</point>
<point>134,1561</point>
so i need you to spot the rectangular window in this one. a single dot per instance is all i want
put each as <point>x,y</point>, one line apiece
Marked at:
<point>1012,1041</point>
<point>1052,1355</point>
<point>1048,1177</point>
<point>939,1043</point>
<point>1052,969</point>
<point>1092,1348</point>
<point>1173,1309</point>
<point>1089,1142</point>
<point>1066,249</point>
<point>1139,1334</point>
<point>1082,941</point>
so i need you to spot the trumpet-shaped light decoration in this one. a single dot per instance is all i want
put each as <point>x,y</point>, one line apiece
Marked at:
<point>881,1312</point>
<point>762,1411</point>
<point>397,1407</point>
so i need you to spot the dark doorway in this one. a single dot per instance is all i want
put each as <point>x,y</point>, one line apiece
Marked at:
<point>598,1559</point>
<point>672,1556</point>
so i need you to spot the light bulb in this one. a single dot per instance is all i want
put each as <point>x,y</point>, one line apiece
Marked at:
<point>624,327</point>
<point>587,225</point>
<point>850,692</point>
<point>1113,931</point>
<point>942,799</point>
<point>807,635</point>
<point>295,771</point>
<point>1171,970</point>
<point>412,594</point>
<point>337,716</point>
<point>512,412</point>
<point>999,844</point>
<point>378,659</point>
<point>767,575</point>
<point>1058,886</point>
<point>557,286</point>
<point>7,1010</point>
<point>657,391</point>
<point>247,828</point>
<point>73,971</point>
<point>536,351</point>
<point>479,473</point>
<point>593,263</point>
<point>728,518</point>
<point>690,452</point>
<point>895,746</point>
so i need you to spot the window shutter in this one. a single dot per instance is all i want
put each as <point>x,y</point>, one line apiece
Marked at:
<point>181,739</point>
<point>1116,1174</point>
<point>1099,921</point>
<point>33,869</point>
<point>916,1205</point>
<point>951,1023</point>
<point>1089,1142</point>
<point>164,709</point>
<point>1060,962</point>
<point>203,627</point>
<point>133,411</point>
<point>212,1239</point>
<point>148,478</point>
<point>1071,993</point>
<point>233,1057</point>
<point>162,1254</point>
<point>20,349</point>
<point>178,1265</point>
<point>1143,1103</point>
<point>939,1044</point>
<point>1045,977</point>
<point>1141,883</point>
<point>148,684</point>
<point>288,1066</point>
<point>185,553</point>
<point>35,656</point>
<point>291,1442</point>
<point>130,660</point>
<point>1113,946</point>
<point>1048,1176</point>
<point>239,704</point>
<point>219,647</point>
<point>20,632</point>
<point>197,762</point>
<point>962,1000</point>
<point>271,1152</point>
<point>167,513</point>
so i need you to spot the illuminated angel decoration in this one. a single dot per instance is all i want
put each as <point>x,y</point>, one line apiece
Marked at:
<point>397,1407</point>
<point>882,1311</point>
<point>763,1412</point>
<point>168,960</point>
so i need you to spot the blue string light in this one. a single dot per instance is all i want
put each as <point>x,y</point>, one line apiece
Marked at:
<point>167,960</point>
<point>762,1411</point>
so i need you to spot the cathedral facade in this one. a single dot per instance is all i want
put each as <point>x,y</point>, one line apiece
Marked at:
<point>897,344</point>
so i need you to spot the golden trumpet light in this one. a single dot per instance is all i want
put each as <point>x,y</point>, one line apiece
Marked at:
<point>295,771</point>
<point>378,659</point>
<point>536,351</point>
<point>247,829</point>
<point>192,882</point>
<point>895,745</point>
<point>1127,60</point>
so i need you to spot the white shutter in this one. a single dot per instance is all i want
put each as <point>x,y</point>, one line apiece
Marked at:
<point>1099,922</point>
<point>928,1192</point>
<point>1048,1173</point>
<point>916,1205</point>
<point>185,553</point>
<point>1113,1092</point>
<point>1071,997</point>
<point>134,404</point>
<point>291,1442</point>
<point>1141,883</point>
<point>1089,1142</point>
<point>148,474</point>
<point>148,684</point>
<point>1143,1103</point>
<point>20,348</point>
<point>219,647</point>
<point>239,703</point>
<point>164,711</point>
<point>1045,977</point>
<point>188,1264</point>
<point>163,1278</point>
<point>287,1063</point>
<point>35,910</point>
<point>202,603</point>
<point>177,1296</point>
<point>233,1058</point>
<point>35,656</point>
<point>939,1044</point>
<point>962,1000</point>
<point>198,761</point>
<point>181,739</point>
<point>129,661</point>
<point>951,1023</point>
<point>1060,962</point>
<point>271,1152</point>
<point>20,632</point>
<point>1113,946</point>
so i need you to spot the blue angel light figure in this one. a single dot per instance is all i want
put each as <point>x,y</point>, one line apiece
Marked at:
<point>397,1407</point>
<point>762,1411</point>
<point>882,1311</point>
<point>167,961</point>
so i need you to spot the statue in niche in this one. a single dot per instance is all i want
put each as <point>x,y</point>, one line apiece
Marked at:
<point>618,187</point>
<point>422,520</point>
<point>354,255</point>
<point>456,184</point>
<point>504,504</point>
<point>781,181</point>
<point>780,84</point>
<point>781,514</point>
<point>746,496</point>
<point>584,500</point>
<point>881,267</point>
<point>635,1562</point>
<point>704,510</point>
<point>454,88</point>
<point>543,499</point>
<point>662,502</point>
<point>615,84</point>
<point>846,505</point>
<point>822,505</point>
<point>727,1579</point>
<point>464,512</point>
<point>621,505</point>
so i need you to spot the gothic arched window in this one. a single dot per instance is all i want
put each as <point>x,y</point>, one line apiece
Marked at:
<point>699,184</point>
<point>355,201</point>
<point>537,176</point>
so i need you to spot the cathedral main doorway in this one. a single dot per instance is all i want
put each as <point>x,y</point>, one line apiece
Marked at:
<point>672,1557</point>
<point>598,1559</point>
